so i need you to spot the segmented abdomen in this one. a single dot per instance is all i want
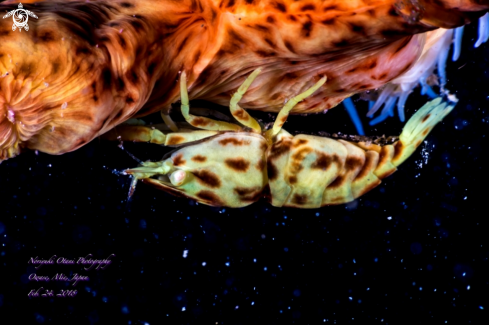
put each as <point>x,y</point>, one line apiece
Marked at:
<point>309,171</point>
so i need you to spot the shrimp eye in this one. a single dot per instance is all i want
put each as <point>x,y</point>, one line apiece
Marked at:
<point>177,178</point>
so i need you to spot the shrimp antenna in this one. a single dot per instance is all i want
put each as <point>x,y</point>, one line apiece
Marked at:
<point>134,181</point>
<point>132,156</point>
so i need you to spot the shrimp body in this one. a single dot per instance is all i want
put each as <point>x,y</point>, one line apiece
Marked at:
<point>85,67</point>
<point>233,166</point>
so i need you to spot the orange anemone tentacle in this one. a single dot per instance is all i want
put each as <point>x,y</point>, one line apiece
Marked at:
<point>84,67</point>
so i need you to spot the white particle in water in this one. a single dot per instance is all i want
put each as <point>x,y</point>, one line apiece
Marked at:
<point>204,263</point>
<point>46,84</point>
<point>227,263</point>
<point>183,308</point>
<point>185,252</point>
<point>65,104</point>
<point>468,287</point>
<point>389,218</point>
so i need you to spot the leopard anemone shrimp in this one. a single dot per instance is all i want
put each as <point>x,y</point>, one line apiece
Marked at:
<point>85,67</point>
<point>231,165</point>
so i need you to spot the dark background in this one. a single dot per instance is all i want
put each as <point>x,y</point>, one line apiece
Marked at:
<point>414,249</point>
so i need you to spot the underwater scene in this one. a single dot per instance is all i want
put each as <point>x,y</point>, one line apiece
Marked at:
<point>100,226</point>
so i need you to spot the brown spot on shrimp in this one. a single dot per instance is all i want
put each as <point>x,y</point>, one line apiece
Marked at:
<point>383,155</point>
<point>210,198</point>
<point>260,165</point>
<point>398,150</point>
<point>241,114</point>
<point>248,194</point>
<point>368,166</point>
<point>279,149</point>
<point>299,199</point>
<point>353,163</point>
<point>272,171</point>
<point>299,142</point>
<point>231,141</point>
<point>175,139</point>
<point>299,156</point>
<point>199,158</point>
<point>338,182</point>
<point>199,122</point>
<point>323,161</point>
<point>426,117</point>
<point>207,178</point>
<point>178,160</point>
<point>238,164</point>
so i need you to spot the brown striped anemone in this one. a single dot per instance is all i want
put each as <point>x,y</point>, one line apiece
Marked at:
<point>84,67</point>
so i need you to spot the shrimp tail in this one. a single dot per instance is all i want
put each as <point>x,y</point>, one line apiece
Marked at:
<point>418,127</point>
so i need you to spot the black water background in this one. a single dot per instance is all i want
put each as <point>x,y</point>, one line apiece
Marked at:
<point>415,248</point>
